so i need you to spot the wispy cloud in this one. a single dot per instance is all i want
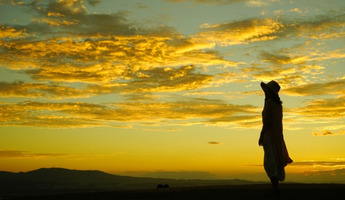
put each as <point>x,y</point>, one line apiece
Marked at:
<point>93,2</point>
<point>338,163</point>
<point>214,142</point>
<point>26,154</point>
<point>215,2</point>
<point>324,108</point>
<point>322,175</point>
<point>322,26</point>
<point>327,133</point>
<point>256,3</point>
<point>173,174</point>
<point>300,63</point>
<point>38,90</point>
<point>332,87</point>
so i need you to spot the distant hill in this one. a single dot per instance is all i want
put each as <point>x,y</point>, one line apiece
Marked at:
<point>59,180</point>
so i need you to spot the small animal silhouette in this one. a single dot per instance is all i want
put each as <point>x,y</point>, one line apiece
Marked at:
<point>160,186</point>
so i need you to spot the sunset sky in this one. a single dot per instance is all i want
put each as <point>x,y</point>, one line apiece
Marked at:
<point>171,88</point>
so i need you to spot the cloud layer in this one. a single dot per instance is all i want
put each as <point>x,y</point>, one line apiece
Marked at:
<point>69,54</point>
<point>85,114</point>
<point>25,154</point>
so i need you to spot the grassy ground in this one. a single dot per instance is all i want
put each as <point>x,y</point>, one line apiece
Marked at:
<point>257,192</point>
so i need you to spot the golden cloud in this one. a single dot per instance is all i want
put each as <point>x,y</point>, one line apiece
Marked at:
<point>289,69</point>
<point>104,53</point>
<point>9,32</point>
<point>124,59</point>
<point>119,63</point>
<point>167,80</point>
<point>243,120</point>
<point>54,22</point>
<point>39,90</point>
<point>155,80</point>
<point>45,115</point>
<point>284,75</point>
<point>240,32</point>
<point>324,108</point>
<point>89,115</point>
<point>107,57</point>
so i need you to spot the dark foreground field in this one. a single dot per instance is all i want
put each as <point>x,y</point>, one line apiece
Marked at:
<point>256,191</point>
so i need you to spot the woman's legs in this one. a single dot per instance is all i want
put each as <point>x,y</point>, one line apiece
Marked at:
<point>275,183</point>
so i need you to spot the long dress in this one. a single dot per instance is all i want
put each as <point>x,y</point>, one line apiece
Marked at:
<point>276,155</point>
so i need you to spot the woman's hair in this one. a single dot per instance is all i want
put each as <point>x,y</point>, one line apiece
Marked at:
<point>273,96</point>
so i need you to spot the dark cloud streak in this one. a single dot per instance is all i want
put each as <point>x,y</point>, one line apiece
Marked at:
<point>25,154</point>
<point>207,2</point>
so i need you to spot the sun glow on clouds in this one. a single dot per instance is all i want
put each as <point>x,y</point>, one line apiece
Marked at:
<point>241,32</point>
<point>81,114</point>
<point>101,68</point>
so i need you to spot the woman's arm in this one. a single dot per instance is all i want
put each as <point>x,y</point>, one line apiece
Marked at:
<point>266,120</point>
<point>261,139</point>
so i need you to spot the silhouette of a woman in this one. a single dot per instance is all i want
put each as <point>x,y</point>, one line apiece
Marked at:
<point>271,138</point>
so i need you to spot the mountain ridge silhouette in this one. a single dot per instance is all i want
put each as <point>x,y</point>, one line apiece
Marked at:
<point>60,180</point>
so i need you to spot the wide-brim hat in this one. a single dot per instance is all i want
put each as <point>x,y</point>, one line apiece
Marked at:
<point>272,86</point>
